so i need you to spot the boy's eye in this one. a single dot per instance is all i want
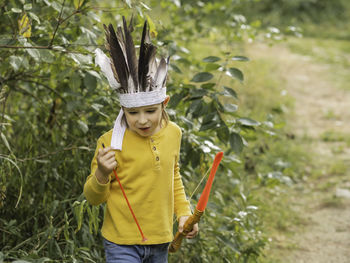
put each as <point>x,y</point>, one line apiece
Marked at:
<point>132,112</point>
<point>151,111</point>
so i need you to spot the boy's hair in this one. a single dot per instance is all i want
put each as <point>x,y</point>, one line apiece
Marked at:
<point>165,116</point>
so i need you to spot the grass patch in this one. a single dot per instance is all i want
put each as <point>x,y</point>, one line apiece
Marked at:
<point>331,52</point>
<point>277,161</point>
<point>330,115</point>
<point>338,168</point>
<point>281,222</point>
<point>333,202</point>
<point>335,136</point>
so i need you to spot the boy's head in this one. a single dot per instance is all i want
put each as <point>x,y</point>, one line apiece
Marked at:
<point>140,83</point>
<point>146,120</point>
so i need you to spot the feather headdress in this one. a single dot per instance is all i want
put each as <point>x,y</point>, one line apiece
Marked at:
<point>123,71</point>
<point>138,82</point>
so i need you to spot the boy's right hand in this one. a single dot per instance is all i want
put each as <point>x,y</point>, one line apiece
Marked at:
<point>106,163</point>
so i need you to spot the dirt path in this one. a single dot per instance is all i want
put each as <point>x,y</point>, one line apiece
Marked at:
<point>322,115</point>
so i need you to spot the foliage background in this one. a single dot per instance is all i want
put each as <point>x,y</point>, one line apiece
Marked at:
<point>55,104</point>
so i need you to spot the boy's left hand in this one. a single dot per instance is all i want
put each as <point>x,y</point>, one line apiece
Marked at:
<point>194,231</point>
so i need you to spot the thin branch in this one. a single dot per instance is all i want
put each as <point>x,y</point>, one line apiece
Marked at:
<point>72,14</point>
<point>44,47</point>
<point>18,47</point>
<point>58,24</point>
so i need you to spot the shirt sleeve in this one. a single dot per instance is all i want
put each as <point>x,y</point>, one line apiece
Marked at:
<point>181,204</point>
<point>95,192</point>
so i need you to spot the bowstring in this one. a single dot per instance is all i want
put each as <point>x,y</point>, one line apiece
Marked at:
<point>200,182</point>
<point>195,190</point>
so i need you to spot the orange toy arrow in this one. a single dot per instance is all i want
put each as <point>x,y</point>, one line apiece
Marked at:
<point>202,203</point>
<point>144,239</point>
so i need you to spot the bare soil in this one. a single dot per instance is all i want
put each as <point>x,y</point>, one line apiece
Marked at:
<point>323,203</point>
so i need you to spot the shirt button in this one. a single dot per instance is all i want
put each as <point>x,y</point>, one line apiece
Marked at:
<point>154,148</point>
<point>157,158</point>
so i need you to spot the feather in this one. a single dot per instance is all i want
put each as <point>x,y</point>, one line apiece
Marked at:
<point>105,64</point>
<point>150,58</point>
<point>118,58</point>
<point>146,60</point>
<point>130,53</point>
<point>141,69</point>
<point>108,48</point>
<point>121,39</point>
<point>160,77</point>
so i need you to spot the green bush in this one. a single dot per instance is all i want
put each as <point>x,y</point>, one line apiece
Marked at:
<point>55,104</point>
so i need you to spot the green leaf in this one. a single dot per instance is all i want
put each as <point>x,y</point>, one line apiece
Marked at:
<point>194,106</point>
<point>198,93</point>
<point>83,126</point>
<point>81,59</point>
<point>47,2</point>
<point>128,2</point>
<point>27,7</point>
<point>211,59</point>
<point>57,6</point>
<point>212,66</point>
<point>78,3</point>
<point>15,62</point>
<point>79,208</point>
<point>175,68</point>
<point>34,16</point>
<point>235,73</point>
<point>75,81</point>
<point>94,16</point>
<point>34,53</point>
<point>230,108</point>
<point>175,100</point>
<point>94,73</point>
<point>198,108</point>
<point>97,107</point>
<point>145,6</point>
<point>231,92</point>
<point>16,10</point>
<point>236,142</point>
<point>187,121</point>
<point>152,26</point>
<point>46,56</point>
<point>90,82</point>
<point>240,58</point>
<point>66,227</point>
<point>248,122</point>
<point>202,77</point>
<point>223,133</point>
<point>208,126</point>
<point>209,85</point>
<point>3,137</point>
<point>209,122</point>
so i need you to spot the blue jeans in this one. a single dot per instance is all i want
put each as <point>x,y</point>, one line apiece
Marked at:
<point>135,253</point>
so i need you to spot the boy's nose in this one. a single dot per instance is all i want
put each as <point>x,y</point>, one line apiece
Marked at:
<point>142,119</point>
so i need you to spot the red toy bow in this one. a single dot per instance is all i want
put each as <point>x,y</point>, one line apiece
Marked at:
<point>202,203</point>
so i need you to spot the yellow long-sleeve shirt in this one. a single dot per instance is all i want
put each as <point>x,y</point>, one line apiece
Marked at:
<point>149,173</point>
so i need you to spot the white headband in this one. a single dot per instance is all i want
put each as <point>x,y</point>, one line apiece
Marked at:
<point>139,99</point>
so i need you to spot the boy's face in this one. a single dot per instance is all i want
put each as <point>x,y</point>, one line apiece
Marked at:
<point>145,120</point>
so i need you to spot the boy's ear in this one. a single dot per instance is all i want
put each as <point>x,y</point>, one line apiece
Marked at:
<point>165,102</point>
